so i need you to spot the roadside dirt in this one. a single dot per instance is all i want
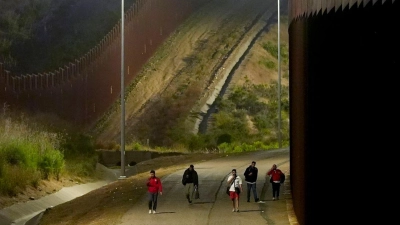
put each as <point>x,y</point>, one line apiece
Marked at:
<point>45,188</point>
<point>112,197</point>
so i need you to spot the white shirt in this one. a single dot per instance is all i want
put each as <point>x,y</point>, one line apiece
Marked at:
<point>236,183</point>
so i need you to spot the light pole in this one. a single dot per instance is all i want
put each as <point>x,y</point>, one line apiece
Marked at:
<point>122,176</point>
<point>279,78</point>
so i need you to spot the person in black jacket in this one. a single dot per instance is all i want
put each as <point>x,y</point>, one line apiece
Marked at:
<point>191,181</point>
<point>250,175</point>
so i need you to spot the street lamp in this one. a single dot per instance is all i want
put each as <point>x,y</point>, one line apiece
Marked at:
<point>122,176</point>
<point>279,78</point>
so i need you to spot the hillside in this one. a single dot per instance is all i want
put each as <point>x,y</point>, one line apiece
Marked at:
<point>42,35</point>
<point>178,81</point>
<point>169,97</point>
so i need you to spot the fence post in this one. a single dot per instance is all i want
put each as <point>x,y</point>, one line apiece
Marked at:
<point>36,80</point>
<point>67,72</point>
<point>23,78</point>
<point>30,81</point>
<point>41,80</point>
<point>13,83</point>
<point>52,79</point>
<point>7,77</point>
<point>62,74</point>
<point>47,80</point>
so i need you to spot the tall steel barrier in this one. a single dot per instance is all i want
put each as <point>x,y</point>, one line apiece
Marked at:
<point>344,57</point>
<point>82,90</point>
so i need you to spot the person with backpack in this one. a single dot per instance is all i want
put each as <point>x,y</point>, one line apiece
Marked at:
<point>190,180</point>
<point>154,187</point>
<point>250,176</point>
<point>275,175</point>
<point>235,188</point>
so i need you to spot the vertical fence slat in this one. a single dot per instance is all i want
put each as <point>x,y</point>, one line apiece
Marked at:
<point>99,63</point>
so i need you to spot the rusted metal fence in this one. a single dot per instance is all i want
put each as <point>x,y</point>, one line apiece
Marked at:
<point>84,89</point>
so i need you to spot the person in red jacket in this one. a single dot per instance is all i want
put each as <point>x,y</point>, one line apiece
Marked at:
<point>275,175</point>
<point>154,187</point>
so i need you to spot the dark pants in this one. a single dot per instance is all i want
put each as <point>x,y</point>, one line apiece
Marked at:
<point>275,189</point>
<point>254,188</point>
<point>152,200</point>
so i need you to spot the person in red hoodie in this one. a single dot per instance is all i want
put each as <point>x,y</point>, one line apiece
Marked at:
<point>275,175</point>
<point>154,187</point>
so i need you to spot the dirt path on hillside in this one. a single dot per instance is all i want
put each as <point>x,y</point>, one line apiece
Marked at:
<point>183,45</point>
<point>230,67</point>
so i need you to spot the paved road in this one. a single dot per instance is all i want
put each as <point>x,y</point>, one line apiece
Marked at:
<point>214,206</point>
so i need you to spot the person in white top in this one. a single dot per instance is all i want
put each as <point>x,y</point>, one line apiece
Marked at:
<point>235,189</point>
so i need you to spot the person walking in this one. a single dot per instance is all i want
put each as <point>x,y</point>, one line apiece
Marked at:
<point>190,180</point>
<point>235,183</point>
<point>250,176</point>
<point>275,177</point>
<point>154,187</point>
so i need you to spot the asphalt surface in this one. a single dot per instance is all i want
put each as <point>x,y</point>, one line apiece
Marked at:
<point>213,207</point>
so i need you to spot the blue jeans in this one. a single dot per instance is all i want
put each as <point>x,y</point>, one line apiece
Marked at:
<point>254,188</point>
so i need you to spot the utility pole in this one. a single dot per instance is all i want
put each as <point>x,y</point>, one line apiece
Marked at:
<point>279,78</point>
<point>122,176</point>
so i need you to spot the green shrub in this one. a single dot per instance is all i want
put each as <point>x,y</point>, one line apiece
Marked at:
<point>51,163</point>
<point>224,147</point>
<point>13,154</point>
<point>82,167</point>
<point>136,146</point>
<point>269,64</point>
<point>271,48</point>
<point>15,178</point>
<point>259,145</point>
<point>224,138</point>
<point>196,142</point>
<point>77,145</point>
<point>28,155</point>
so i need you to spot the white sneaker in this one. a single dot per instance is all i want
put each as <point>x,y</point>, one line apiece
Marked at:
<point>150,211</point>
<point>154,211</point>
<point>273,199</point>
<point>233,210</point>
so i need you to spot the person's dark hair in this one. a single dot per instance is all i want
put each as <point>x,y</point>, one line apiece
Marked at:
<point>253,162</point>
<point>233,170</point>
<point>152,171</point>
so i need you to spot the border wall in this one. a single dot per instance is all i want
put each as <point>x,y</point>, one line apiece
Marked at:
<point>82,90</point>
<point>344,57</point>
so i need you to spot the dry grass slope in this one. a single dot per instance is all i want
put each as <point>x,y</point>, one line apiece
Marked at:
<point>179,78</point>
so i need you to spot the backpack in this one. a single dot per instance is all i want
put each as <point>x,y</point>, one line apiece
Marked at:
<point>282,178</point>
